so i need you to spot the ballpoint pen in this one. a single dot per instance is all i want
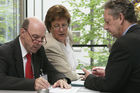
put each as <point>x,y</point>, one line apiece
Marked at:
<point>43,75</point>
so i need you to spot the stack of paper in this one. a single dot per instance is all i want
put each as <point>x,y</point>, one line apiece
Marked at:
<point>78,83</point>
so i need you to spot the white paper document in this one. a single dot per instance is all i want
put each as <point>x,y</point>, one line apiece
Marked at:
<point>85,90</point>
<point>59,90</point>
<point>78,83</point>
<point>72,90</point>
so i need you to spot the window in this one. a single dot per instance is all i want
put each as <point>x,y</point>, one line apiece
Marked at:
<point>87,24</point>
<point>9,20</point>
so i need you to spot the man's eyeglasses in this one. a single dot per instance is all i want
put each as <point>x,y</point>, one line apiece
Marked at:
<point>57,26</point>
<point>35,38</point>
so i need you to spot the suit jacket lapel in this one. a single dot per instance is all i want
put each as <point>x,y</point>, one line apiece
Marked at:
<point>18,58</point>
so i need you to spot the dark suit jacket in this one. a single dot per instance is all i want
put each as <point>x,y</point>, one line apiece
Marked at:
<point>11,67</point>
<point>123,67</point>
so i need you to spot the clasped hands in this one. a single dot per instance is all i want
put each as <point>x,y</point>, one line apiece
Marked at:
<point>41,83</point>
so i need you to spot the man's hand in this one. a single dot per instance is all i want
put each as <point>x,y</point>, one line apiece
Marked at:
<point>99,72</point>
<point>62,84</point>
<point>41,83</point>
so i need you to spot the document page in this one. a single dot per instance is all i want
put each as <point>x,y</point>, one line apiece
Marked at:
<point>85,90</point>
<point>59,90</point>
<point>78,83</point>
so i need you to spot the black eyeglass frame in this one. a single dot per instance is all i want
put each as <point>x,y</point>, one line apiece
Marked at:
<point>35,39</point>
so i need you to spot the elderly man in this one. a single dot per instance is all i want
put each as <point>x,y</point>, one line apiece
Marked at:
<point>23,60</point>
<point>122,73</point>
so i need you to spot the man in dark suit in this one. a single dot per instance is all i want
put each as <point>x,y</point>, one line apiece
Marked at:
<point>13,60</point>
<point>122,73</point>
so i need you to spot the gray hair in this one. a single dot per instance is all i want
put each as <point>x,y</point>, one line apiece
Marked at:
<point>121,6</point>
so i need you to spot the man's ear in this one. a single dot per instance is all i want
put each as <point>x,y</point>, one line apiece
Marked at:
<point>121,18</point>
<point>22,30</point>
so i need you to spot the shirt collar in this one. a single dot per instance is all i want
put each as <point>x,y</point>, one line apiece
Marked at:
<point>23,50</point>
<point>128,29</point>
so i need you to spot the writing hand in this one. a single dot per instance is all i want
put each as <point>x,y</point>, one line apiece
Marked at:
<point>41,83</point>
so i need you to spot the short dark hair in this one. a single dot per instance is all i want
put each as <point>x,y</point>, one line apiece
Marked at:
<point>25,24</point>
<point>121,6</point>
<point>56,12</point>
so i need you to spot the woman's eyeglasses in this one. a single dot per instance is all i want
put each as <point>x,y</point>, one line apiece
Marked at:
<point>63,26</point>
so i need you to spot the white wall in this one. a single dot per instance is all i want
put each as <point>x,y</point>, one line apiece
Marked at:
<point>39,8</point>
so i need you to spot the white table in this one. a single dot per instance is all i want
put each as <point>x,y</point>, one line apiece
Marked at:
<point>72,90</point>
<point>77,87</point>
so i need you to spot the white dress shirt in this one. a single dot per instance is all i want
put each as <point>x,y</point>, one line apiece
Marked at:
<point>70,55</point>
<point>24,53</point>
